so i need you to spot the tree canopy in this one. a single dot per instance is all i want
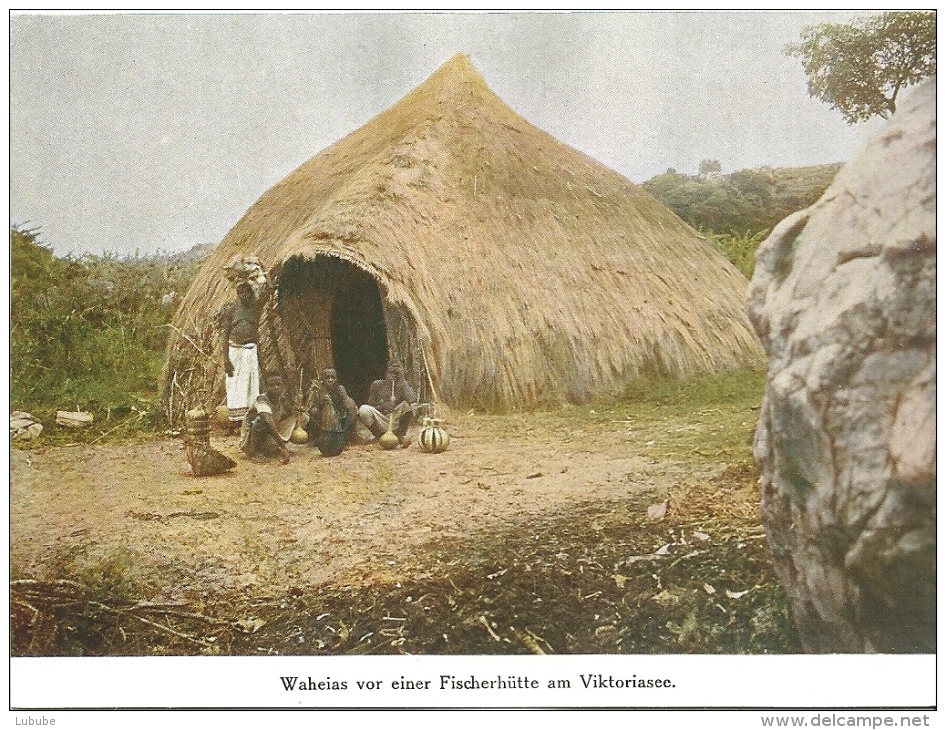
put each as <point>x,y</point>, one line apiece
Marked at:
<point>745,202</point>
<point>859,68</point>
<point>710,166</point>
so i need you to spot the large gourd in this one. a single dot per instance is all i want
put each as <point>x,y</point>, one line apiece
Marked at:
<point>433,437</point>
<point>388,440</point>
<point>299,434</point>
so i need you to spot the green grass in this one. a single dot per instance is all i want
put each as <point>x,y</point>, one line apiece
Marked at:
<point>694,419</point>
<point>707,419</point>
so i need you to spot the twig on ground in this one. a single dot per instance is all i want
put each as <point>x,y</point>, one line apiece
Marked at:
<point>489,628</point>
<point>528,641</point>
<point>684,557</point>
<point>156,625</point>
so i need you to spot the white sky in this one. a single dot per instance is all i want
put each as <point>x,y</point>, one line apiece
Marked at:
<point>148,132</point>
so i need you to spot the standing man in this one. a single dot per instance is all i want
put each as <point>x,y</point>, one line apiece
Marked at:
<point>239,335</point>
<point>392,395</point>
<point>332,416</point>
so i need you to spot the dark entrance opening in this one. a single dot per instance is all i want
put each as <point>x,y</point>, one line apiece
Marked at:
<point>359,334</point>
<point>332,316</point>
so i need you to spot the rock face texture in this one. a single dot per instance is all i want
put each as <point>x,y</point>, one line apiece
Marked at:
<point>844,300</point>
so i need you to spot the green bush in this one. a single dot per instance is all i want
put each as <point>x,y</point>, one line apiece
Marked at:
<point>88,333</point>
<point>740,250</point>
<point>746,202</point>
<point>737,211</point>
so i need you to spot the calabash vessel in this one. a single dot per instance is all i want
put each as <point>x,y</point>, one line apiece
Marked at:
<point>388,440</point>
<point>433,437</point>
<point>299,434</point>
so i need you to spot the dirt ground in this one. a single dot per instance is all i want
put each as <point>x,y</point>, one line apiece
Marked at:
<point>355,518</point>
<point>536,533</point>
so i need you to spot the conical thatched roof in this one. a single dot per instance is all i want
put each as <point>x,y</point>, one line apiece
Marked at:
<point>526,273</point>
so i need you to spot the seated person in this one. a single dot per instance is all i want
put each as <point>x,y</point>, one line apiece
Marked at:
<point>392,395</point>
<point>259,434</point>
<point>332,416</point>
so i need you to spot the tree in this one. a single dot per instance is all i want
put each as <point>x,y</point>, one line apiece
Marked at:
<point>859,68</point>
<point>708,167</point>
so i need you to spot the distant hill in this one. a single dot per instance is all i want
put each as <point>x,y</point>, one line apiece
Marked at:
<point>746,202</point>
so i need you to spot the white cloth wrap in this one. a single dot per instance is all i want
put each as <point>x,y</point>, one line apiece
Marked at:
<point>243,385</point>
<point>371,416</point>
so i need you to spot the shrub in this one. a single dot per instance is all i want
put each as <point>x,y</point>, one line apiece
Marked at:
<point>740,250</point>
<point>746,202</point>
<point>87,333</point>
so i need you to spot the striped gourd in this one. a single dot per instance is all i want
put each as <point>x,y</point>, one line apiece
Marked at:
<point>433,439</point>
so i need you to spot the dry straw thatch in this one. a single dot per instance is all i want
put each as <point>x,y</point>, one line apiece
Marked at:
<point>506,269</point>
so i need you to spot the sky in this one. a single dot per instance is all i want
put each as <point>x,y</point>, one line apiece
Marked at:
<point>140,133</point>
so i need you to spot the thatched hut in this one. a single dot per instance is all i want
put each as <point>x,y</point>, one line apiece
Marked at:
<point>505,269</point>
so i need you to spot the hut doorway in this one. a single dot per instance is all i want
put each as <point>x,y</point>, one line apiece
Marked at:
<point>359,335</point>
<point>333,316</point>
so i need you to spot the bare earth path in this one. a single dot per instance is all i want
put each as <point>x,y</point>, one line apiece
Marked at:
<point>361,516</point>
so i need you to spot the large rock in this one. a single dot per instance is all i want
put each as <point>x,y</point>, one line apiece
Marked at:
<point>844,299</point>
